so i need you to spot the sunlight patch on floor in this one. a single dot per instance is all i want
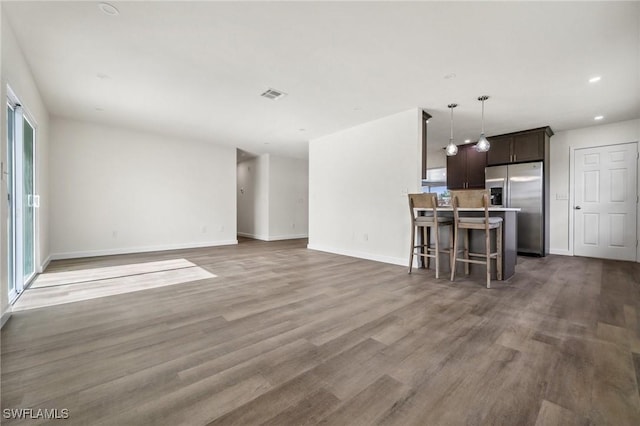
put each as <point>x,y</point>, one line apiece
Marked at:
<point>94,274</point>
<point>74,286</point>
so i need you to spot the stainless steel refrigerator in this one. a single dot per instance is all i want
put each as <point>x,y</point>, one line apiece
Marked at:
<point>521,185</point>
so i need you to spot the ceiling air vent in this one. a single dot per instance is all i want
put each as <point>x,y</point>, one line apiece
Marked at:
<point>273,94</point>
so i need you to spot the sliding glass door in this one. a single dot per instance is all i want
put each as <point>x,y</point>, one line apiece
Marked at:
<point>21,138</point>
<point>28,199</point>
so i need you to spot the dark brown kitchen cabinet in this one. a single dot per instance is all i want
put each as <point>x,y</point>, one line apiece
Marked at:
<point>500,150</point>
<point>528,147</point>
<point>465,170</point>
<point>519,147</point>
<point>457,170</point>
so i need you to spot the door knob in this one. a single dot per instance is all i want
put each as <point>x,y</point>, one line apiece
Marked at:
<point>577,207</point>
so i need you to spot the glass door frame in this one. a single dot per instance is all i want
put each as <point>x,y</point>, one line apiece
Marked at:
<point>16,187</point>
<point>11,213</point>
<point>29,200</point>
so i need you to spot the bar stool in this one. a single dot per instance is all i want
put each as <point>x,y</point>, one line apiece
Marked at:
<point>428,202</point>
<point>476,199</point>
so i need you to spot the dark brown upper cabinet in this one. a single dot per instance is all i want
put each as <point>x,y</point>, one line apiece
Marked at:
<point>519,147</point>
<point>465,170</point>
<point>500,151</point>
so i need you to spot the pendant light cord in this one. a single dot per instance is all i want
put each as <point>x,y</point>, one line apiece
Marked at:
<point>451,148</point>
<point>451,137</point>
<point>483,116</point>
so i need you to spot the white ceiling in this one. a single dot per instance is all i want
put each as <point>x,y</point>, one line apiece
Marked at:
<point>197,68</point>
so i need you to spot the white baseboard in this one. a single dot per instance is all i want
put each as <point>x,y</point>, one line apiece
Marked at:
<point>270,238</point>
<point>288,237</point>
<point>253,236</point>
<point>44,265</point>
<point>568,253</point>
<point>560,252</point>
<point>361,255</point>
<point>110,252</point>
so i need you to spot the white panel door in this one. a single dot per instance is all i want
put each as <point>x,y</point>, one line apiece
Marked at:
<point>606,201</point>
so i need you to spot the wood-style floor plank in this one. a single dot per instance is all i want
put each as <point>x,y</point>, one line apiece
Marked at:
<point>95,274</point>
<point>283,335</point>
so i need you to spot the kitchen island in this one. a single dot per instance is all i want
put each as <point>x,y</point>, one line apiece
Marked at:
<point>476,240</point>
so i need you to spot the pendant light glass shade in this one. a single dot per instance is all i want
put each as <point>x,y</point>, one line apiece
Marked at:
<point>452,148</point>
<point>483,144</point>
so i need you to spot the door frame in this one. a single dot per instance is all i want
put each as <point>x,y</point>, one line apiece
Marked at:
<point>17,270</point>
<point>571,211</point>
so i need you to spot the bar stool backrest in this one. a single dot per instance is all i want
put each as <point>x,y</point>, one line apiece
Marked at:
<point>470,198</point>
<point>423,201</point>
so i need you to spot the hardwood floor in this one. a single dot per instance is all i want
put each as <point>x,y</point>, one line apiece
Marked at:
<point>57,288</point>
<point>288,336</point>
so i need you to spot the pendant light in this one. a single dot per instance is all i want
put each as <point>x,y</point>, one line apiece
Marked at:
<point>451,149</point>
<point>483,144</point>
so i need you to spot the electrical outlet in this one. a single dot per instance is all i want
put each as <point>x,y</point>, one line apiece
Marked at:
<point>366,237</point>
<point>114,234</point>
<point>204,229</point>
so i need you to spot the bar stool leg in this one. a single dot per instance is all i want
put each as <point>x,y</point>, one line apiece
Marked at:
<point>454,253</point>
<point>427,244</point>
<point>487,245</point>
<point>499,250</point>
<point>437,247</point>
<point>452,256</point>
<point>466,251</point>
<point>423,236</point>
<point>413,243</point>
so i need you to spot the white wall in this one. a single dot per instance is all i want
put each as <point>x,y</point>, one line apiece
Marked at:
<point>273,194</point>
<point>358,184</point>
<point>288,198</point>
<point>116,191</point>
<point>16,73</point>
<point>561,167</point>
<point>253,197</point>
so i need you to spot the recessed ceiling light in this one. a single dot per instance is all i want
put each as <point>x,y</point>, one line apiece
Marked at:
<point>449,76</point>
<point>302,130</point>
<point>108,9</point>
<point>598,117</point>
<point>99,109</point>
<point>467,140</point>
<point>102,76</point>
<point>594,79</point>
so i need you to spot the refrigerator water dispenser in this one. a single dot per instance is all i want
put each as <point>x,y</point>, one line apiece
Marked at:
<point>496,196</point>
